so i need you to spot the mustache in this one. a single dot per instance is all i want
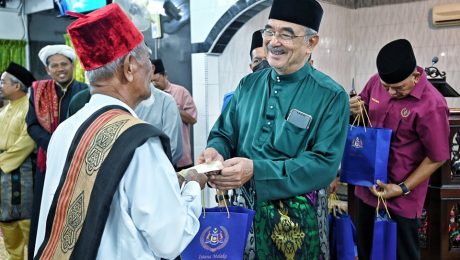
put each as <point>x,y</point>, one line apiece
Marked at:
<point>275,49</point>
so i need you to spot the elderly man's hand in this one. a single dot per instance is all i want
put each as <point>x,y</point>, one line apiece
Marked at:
<point>193,175</point>
<point>210,155</point>
<point>236,172</point>
<point>356,105</point>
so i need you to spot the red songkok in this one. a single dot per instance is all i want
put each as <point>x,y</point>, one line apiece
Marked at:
<point>103,36</point>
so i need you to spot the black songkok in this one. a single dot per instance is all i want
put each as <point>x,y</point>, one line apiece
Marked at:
<point>304,12</point>
<point>257,41</point>
<point>159,68</point>
<point>396,61</point>
<point>21,73</point>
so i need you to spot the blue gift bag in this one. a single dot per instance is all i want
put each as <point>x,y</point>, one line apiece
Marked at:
<point>385,235</point>
<point>342,237</point>
<point>222,234</point>
<point>365,159</point>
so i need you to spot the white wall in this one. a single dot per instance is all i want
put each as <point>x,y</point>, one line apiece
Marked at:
<point>33,6</point>
<point>14,27</point>
<point>234,61</point>
<point>335,50</point>
<point>205,82</point>
<point>204,15</point>
<point>11,26</point>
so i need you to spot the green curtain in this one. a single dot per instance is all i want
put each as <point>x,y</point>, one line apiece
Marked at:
<point>12,50</point>
<point>79,72</point>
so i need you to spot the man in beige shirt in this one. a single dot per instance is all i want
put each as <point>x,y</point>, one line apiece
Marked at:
<point>15,162</point>
<point>2,103</point>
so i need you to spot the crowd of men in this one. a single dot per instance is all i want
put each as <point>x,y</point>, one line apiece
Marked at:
<point>89,170</point>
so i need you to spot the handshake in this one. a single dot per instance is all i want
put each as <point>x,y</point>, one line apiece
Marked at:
<point>199,173</point>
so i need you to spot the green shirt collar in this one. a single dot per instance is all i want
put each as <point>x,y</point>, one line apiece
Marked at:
<point>293,77</point>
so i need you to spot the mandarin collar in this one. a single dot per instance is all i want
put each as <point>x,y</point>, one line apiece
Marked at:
<point>418,89</point>
<point>19,100</point>
<point>293,77</point>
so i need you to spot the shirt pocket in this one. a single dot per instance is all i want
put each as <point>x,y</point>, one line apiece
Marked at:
<point>392,121</point>
<point>406,130</point>
<point>289,139</point>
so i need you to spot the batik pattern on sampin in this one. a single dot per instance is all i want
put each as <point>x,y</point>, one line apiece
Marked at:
<point>287,229</point>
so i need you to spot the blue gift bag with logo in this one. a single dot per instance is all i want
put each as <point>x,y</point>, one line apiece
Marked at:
<point>342,234</point>
<point>384,239</point>
<point>222,234</point>
<point>342,237</point>
<point>365,159</point>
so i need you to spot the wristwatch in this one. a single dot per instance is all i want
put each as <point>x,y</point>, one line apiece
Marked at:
<point>404,188</point>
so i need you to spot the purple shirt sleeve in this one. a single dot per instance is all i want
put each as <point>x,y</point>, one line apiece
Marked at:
<point>433,127</point>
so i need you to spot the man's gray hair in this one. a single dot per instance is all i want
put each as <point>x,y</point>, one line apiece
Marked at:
<point>309,33</point>
<point>23,87</point>
<point>111,69</point>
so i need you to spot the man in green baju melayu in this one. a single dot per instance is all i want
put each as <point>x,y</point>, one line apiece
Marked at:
<point>282,137</point>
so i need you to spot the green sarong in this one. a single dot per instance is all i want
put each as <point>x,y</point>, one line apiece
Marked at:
<point>287,229</point>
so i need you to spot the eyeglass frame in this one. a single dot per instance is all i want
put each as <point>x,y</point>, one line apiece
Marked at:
<point>400,88</point>
<point>3,82</point>
<point>289,39</point>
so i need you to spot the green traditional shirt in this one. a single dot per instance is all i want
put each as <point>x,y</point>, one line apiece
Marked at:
<point>288,160</point>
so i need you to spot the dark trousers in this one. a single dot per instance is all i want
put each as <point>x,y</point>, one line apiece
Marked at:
<point>407,233</point>
<point>39,180</point>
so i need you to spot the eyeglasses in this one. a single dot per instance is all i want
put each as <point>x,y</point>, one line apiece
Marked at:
<point>3,82</point>
<point>285,37</point>
<point>400,88</point>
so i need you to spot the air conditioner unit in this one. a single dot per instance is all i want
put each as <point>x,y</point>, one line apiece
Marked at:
<point>446,14</point>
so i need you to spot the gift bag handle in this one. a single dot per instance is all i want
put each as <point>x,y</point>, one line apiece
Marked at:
<point>218,198</point>
<point>332,204</point>
<point>380,198</point>
<point>360,116</point>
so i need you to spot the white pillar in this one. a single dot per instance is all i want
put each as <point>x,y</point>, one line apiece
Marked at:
<point>207,97</point>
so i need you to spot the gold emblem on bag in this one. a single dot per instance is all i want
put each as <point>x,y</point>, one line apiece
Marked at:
<point>357,143</point>
<point>214,238</point>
